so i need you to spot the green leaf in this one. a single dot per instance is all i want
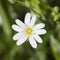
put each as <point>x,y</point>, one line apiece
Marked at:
<point>55,47</point>
<point>5,22</point>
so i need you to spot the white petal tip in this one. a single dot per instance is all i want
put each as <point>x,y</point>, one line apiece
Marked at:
<point>17,43</point>
<point>42,24</point>
<point>45,31</point>
<point>14,39</point>
<point>28,13</point>
<point>35,16</point>
<point>13,27</point>
<point>34,46</point>
<point>16,20</point>
<point>41,42</point>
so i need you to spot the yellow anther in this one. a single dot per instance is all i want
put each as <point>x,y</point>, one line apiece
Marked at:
<point>29,31</point>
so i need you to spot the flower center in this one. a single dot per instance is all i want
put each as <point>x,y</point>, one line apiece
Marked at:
<point>29,31</point>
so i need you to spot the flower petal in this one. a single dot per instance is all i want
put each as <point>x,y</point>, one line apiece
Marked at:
<point>16,36</point>
<point>32,42</point>
<point>39,26</point>
<point>40,32</point>
<point>22,40</point>
<point>37,38</point>
<point>27,19</point>
<point>33,20</point>
<point>19,35</point>
<point>20,23</point>
<point>16,28</point>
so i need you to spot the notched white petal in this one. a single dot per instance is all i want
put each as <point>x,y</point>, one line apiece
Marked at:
<point>40,32</point>
<point>39,26</point>
<point>33,20</point>
<point>33,42</point>
<point>16,28</point>
<point>37,38</point>
<point>27,19</point>
<point>16,36</point>
<point>22,40</point>
<point>20,23</point>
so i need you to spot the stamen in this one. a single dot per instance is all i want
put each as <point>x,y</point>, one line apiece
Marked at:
<point>29,31</point>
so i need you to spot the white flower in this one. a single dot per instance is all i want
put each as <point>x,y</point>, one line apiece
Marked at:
<point>28,31</point>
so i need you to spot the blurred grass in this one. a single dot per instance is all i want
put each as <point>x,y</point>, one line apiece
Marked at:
<point>48,12</point>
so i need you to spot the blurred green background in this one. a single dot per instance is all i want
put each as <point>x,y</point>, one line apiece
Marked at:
<point>47,12</point>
